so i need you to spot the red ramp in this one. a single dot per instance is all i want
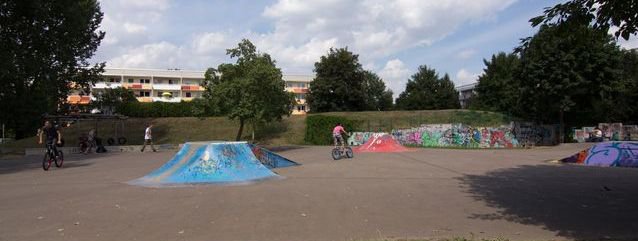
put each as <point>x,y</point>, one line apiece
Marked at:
<point>384,143</point>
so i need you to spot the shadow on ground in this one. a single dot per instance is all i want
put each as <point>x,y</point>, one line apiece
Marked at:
<point>574,201</point>
<point>35,163</point>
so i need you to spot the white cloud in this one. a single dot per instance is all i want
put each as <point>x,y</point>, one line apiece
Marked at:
<point>302,32</point>
<point>464,77</point>
<point>395,74</point>
<point>134,28</point>
<point>156,55</point>
<point>207,43</point>
<point>466,54</point>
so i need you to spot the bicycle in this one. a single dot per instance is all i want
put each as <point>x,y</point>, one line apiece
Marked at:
<point>50,157</point>
<point>342,150</point>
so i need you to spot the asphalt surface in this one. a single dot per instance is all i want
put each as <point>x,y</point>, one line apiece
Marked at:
<point>427,193</point>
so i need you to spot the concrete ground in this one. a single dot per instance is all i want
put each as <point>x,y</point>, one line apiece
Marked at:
<point>428,193</point>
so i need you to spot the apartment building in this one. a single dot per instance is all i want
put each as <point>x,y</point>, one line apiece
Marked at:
<point>150,85</point>
<point>466,93</point>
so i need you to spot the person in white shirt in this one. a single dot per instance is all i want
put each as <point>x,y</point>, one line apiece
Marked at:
<point>148,137</point>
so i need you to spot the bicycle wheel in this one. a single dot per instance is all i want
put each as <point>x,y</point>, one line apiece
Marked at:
<point>46,162</point>
<point>336,154</point>
<point>349,152</point>
<point>59,160</point>
<point>83,147</point>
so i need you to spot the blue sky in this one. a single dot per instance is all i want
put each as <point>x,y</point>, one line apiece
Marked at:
<point>392,38</point>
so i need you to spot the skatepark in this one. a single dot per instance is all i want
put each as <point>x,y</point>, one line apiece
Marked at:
<point>516,194</point>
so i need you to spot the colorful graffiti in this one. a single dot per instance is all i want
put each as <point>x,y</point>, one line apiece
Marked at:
<point>611,154</point>
<point>359,138</point>
<point>611,132</point>
<point>457,135</point>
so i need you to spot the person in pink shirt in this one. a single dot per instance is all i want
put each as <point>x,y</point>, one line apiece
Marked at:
<point>336,135</point>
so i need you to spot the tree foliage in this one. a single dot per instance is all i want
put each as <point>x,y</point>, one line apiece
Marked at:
<point>250,90</point>
<point>571,69</point>
<point>111,98</point>
<point>425,90</point>
<point>497,88</point>
<point>44,47</point>
<point>339,83</point>
<point>377,96</point>
<point>602,14</point>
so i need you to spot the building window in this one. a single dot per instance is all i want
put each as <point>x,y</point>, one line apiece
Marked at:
<point>300,96</point>
<point>130,80</point>
<point>170,81</point>
<point>112,80</point>
<point>188,94</point>
<point>289,85</point>
<point>145,94</point>
<point>159,94</point>
<point>145,81</point>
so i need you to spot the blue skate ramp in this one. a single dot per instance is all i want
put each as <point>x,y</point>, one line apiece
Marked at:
<point>220,163</point>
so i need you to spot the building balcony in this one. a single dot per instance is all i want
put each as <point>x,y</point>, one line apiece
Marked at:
<point>192,88</point>
<point>136,86</point>
<point>166,87</point>
<point>145,99</point>
<point>297,90</point>
<point>171,99</point>
<point>106,85</point>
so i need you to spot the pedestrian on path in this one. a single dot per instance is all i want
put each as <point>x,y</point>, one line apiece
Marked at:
<point>148,137</point>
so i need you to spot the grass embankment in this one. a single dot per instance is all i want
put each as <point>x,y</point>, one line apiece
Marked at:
<point>288,132</point>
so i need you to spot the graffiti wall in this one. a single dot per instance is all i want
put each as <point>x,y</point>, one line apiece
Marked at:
<point>358,138</point>
<point>611,132</point>
<point>457,135</point>
<point>530,134</point>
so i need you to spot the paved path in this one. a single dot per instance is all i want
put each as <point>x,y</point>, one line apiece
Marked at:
<point>429,193</point>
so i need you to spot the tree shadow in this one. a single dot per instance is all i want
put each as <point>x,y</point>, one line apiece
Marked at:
<point>28,163</point>
<point>576,202</point>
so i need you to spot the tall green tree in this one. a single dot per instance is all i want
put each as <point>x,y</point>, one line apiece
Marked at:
<point>44,47</point>
<point>426,91</point>
<point>339,84</point>
<point>569,71</point>
<point>601,14</point>
<point>250,90</point>
<point>378,97</point>
<point>111,98</point>
<point>497,88</point>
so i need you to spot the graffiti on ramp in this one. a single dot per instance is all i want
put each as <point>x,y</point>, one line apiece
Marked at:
<point>381,143</point>
<point>221,163</point>
<point>608,154</point>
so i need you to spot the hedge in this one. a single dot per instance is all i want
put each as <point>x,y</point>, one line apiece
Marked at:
<point>319,128</point>
<point>156,109</point>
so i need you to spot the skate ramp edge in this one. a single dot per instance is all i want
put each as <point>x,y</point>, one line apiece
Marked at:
<point>226,163</point>
<point>607,154</point>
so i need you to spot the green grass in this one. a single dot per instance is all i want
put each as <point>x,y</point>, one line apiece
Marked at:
<point>290,131</point>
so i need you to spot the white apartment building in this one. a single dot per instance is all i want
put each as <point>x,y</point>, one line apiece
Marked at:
<point>150,85</point>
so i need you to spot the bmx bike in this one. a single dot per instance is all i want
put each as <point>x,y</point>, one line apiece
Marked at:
<point>51,157</point>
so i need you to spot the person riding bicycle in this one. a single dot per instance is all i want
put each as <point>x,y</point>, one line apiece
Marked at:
<point>53,135</point>
<point>336,135</point>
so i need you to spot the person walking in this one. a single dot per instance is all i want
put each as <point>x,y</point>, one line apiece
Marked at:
<point>148,137</point>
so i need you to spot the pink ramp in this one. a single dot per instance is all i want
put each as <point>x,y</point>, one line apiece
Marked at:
<point>384,143</point>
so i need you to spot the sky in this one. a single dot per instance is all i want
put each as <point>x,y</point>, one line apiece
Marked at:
<point>392,38</point>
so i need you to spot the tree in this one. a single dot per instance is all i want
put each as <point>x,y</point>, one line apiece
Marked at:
<point>250,90</point>
<point>601,13</point>
<point>110,99</point>
<point>497,88</point>
<point>339,83</point>
<point>377,96</point>
<point>569,69</point>
<point>44,47</point>
<point>426,91</point>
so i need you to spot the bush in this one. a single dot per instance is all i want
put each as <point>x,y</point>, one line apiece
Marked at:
<point>319,128</point>
<point>156,109</point>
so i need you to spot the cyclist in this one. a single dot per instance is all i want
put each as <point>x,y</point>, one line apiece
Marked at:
<point>336,135</point>
<point>53,135</point>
